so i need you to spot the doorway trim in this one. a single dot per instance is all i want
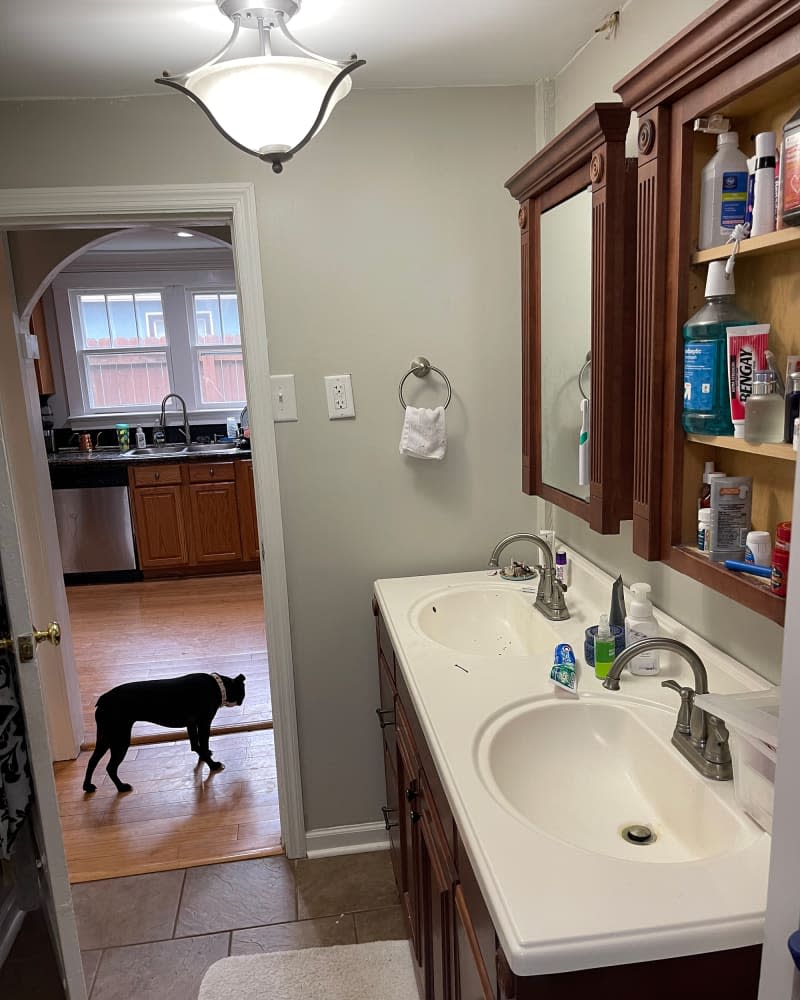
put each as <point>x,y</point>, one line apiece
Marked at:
<point>22,208</point>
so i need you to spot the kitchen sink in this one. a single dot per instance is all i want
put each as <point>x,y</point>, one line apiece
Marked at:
<point>485,621</point>
<point>216,446</point>
<point>164,449</point>
<point>587,772</point>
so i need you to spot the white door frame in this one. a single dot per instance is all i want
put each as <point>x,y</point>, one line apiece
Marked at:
<point>39,207</point>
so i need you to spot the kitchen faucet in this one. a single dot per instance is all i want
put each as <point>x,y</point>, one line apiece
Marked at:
<point>162,422</point>
<point>550,595</point>
<point>701,737</point>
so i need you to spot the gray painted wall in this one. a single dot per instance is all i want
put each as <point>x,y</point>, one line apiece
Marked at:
<point>391,235</point>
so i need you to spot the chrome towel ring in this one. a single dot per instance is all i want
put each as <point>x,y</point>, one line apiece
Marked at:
<point>421,367</point>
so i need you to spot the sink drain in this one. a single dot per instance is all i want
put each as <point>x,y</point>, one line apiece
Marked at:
<point>639,834</point>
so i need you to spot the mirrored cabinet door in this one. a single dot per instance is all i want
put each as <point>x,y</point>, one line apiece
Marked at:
<point>577,220</point>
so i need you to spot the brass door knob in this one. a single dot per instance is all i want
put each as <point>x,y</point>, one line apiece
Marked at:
<point>6,642</point>
<point>51,634</point>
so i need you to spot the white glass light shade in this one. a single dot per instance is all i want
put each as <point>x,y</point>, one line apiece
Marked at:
<point>267,103</point>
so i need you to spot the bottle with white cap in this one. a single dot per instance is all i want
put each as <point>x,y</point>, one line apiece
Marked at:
<point>764,190</point>
<point>640,624</point>
<point>723,192</point>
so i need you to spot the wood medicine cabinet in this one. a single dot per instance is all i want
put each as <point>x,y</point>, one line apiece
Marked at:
<point>577,216</point>
<point>740,59</point>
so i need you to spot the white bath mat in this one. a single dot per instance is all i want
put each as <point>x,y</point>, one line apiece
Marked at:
<point>380,970</point>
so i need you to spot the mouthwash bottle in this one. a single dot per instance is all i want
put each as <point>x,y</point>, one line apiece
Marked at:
<point>706,398</point>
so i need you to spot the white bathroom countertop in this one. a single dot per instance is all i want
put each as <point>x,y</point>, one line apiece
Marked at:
<point>558,907</point>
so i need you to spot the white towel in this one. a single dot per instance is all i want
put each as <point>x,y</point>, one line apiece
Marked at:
<point>424,434</point>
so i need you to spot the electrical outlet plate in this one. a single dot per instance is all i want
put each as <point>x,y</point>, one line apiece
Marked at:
<point>284,401</point>
<point>339,393</point>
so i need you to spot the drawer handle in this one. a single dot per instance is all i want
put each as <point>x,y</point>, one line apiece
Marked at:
<point>211,472</point>
<point>386,810</point>
<point>380,712</point>
<point>414,816</point>
<point>156,475</point>
<point>411,793</point>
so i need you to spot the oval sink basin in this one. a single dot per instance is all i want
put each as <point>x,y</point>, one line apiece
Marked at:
<point>584,771</point>
<point>485,621</point>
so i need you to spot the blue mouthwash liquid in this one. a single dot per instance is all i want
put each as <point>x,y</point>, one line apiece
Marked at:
<point>706,399</point>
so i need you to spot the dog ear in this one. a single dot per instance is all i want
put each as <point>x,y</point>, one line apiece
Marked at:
<point>240,677</point>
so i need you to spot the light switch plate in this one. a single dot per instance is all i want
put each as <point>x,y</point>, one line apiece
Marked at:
<point>284,401</point>
<point>339,393</point>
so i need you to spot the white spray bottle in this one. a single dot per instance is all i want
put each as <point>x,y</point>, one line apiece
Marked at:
<point>641,624</point>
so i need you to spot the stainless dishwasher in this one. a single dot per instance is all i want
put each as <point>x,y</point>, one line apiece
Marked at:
<point>93,517</point>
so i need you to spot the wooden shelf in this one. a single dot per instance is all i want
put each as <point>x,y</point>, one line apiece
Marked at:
<point>755,246</point>
<point>784,451</point>
<point>752,591</point>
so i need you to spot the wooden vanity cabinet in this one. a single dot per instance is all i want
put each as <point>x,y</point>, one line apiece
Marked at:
<point>739,59</point>
<point>455,946</point>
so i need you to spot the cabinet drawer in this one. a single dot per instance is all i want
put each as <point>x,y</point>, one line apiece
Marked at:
<point>156,475</point>
<point>211,472</point>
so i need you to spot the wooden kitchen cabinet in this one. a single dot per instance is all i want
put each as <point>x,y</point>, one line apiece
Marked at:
<point>43,365</point>
<point>188,518</point>
<point>456,950</point>
<point>739,59</point>
<point>160,525</point>
<point>246,494</point>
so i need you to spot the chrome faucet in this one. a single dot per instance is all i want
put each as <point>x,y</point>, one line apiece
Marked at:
<point>162,422</point>
<point>702,738</point>
<point>550,595</point>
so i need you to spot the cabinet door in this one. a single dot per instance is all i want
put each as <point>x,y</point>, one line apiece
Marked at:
<point>246,497</point>
<point>215,523</point>
<point>392,815</point>
<point>409,817</point>
<point>436,920</point>
<point>159,525</point>
<point>43,365</point>
<point>471,976</point>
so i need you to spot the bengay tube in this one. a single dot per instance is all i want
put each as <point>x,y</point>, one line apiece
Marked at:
<point>747,347</point>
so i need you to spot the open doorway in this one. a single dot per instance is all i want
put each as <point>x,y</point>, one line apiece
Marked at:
<point>188,596</point>
<point>32,209</point>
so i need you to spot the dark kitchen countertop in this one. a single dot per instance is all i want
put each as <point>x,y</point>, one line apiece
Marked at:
<point>112,456</point>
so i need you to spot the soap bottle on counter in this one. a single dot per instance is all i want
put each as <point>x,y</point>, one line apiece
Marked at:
<point>640,624</point>
<point>141,440</point>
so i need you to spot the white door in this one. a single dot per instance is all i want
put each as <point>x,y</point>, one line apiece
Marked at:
<point>779,978</point>
<point>52,883</point>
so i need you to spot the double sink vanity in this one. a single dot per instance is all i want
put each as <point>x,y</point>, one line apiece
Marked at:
<point>510,804</point>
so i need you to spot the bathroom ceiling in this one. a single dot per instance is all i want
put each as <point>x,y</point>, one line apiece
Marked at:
<point>108,48</point>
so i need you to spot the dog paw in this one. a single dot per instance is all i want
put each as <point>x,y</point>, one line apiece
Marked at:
<point>89,787</point>
<point>217,765</point>
<point>122,787</point>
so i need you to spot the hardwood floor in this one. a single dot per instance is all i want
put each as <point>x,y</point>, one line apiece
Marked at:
<point>166,628</point>
<point>179,815</point>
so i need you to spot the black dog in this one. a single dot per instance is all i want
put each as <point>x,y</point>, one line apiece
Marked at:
<point>190,701</point>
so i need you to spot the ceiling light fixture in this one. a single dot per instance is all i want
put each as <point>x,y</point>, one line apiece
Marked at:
<point>269,106</point>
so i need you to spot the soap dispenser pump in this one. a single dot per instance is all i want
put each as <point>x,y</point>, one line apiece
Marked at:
<point>640,624</point>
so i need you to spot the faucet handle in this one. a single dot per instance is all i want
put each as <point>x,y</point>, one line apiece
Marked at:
<point>683,725</point>
<point>717,750</point>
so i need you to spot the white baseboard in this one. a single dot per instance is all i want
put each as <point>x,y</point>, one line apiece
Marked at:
<point>346,840</point>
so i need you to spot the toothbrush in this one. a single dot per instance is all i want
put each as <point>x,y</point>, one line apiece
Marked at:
<point>583,445</point>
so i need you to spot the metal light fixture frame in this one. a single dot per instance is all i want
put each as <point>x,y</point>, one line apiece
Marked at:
<point>250,14</point>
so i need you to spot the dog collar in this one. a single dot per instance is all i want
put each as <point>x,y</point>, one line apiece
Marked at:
<point>223,692</point>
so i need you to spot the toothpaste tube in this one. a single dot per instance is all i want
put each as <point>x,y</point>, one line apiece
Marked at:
<point>563,672</point>
<point>747,347</point>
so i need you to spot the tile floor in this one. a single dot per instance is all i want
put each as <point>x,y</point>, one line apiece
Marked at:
<point>152,936</point>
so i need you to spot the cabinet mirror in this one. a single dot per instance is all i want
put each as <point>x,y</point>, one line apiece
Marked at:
<point>577,216</point>
<point>566,339</point>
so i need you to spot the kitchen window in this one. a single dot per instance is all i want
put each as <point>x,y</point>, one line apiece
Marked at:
<point>130,338</point>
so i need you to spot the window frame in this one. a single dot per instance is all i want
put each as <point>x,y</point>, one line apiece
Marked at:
<point>176,285</point>
<point>196,348</point>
